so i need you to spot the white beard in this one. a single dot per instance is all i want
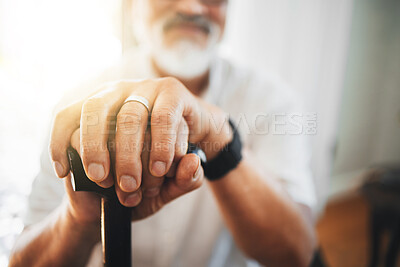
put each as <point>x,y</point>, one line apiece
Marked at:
<point>185,59</point>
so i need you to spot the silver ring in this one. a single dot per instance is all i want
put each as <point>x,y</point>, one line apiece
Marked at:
<point>139,99</point>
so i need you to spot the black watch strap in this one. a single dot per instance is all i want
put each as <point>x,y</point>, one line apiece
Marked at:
<point>227,159</point>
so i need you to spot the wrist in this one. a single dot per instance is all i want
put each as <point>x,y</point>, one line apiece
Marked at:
<point>87,229</point>
<point>226,159</point>
<point>219,135</point>
<point>73,242</point>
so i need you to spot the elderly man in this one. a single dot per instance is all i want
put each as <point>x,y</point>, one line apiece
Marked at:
<point>257,199</point>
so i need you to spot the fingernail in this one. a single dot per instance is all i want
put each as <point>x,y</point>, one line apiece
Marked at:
<point>59,168</point>
<point>107,183</point>
<point>158,168</point>
<point>96,171</point>
<point>152,192</point>
<point>132,200</point>
<point>127,183</point>
<point>196,173</point>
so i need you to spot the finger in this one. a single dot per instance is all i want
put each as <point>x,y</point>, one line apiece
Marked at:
<point>129,199</point>
<point>189,176</point>
<point>181,147</point>
<point>151,185</point>
<point>131,127</point>
<point>64,124</point>
<point>173,102</point>
<point>97,114</point>
<point>189,172</point>
<point>75,143</point>
<point>165,120</point>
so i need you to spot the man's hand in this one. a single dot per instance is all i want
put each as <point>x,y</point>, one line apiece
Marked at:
<point>173,109</point>
<point>153,194</point>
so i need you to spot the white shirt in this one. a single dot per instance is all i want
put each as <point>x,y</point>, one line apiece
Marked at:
<point>190,231</point>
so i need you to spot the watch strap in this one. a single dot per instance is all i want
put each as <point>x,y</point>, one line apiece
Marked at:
<point>227,159</point>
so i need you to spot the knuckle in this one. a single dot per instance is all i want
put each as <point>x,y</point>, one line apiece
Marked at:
<point>172,81</point>
<point>125,149</point>
<point>89,148</point>
<point>164,116</point>
<point>94,104</point>
<point>172,84</point>
<point>95,117</point>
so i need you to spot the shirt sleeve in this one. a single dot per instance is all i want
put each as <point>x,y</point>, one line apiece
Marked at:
<point>47,191</point>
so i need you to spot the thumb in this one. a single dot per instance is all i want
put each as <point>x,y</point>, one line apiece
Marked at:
<point>189,176</point>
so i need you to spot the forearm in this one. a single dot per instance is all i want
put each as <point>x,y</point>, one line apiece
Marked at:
<point>264,222</point>
<point>56,241</point>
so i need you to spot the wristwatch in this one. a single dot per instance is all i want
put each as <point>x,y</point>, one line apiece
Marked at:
<point>226,160</point>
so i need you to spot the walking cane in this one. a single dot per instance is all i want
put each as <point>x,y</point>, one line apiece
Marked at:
<point>115,218</point>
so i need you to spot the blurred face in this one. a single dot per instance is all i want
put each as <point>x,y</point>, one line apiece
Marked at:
<point>182,35</point>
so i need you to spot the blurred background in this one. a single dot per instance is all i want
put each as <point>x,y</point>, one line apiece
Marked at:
<point>342,55</point>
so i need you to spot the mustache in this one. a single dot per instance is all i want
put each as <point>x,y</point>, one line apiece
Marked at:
<point>179,19</point>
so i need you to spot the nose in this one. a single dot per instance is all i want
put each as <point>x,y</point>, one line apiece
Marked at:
<point>191,7</point>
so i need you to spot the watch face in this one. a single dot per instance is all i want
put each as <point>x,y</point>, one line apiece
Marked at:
<point>201,155</point>
<point>198,151</point>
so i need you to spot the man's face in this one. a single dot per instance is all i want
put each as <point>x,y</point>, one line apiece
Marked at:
<point>183,34</point>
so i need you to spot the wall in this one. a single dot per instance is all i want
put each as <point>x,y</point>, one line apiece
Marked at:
<point>305,42</point>
<point>369,129</point>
